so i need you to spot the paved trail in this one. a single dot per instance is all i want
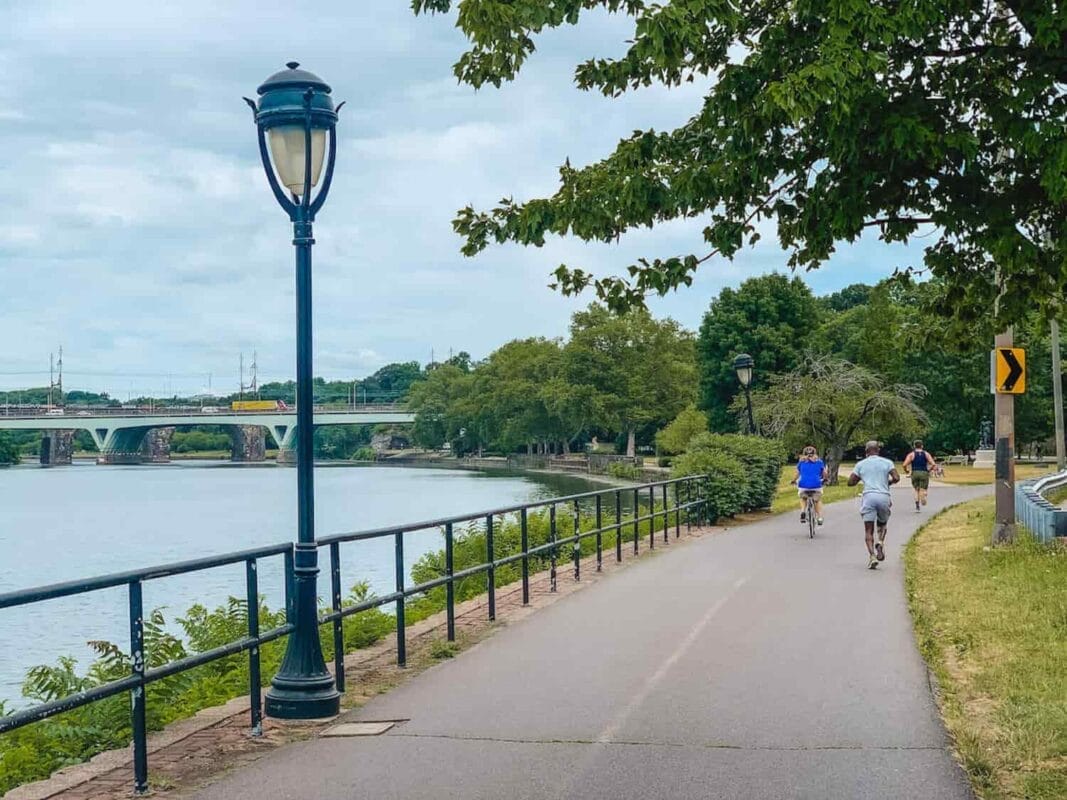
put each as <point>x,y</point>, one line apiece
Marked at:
<point>755,664</point>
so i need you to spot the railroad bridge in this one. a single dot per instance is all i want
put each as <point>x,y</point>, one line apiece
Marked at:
<point>133,437</point>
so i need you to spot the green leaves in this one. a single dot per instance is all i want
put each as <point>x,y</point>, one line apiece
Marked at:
<point>940,118</point>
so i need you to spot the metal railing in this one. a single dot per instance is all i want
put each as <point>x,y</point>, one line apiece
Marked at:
<point>140,676</point>
<point>1045,520</point>
<point>648,503</point>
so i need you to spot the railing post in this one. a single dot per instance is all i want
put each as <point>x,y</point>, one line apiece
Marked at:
<point>552,550</point>
<point>491,572</point>
<point>401,639</point>
<point>651,517</point>
<point>637,525</point>
<point>525,543</point>
<point>666,517</point>
<point>450,587</point>
<point>576,550</point>
<point>137,705</point>
<point>688,500</point>
<point>338,623</point>
<point>618,526</point>
<point>599,537</point>
<point>255,683</point>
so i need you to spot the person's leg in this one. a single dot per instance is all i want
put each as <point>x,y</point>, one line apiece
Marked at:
<point>883,521</point>
<point>868,529</point>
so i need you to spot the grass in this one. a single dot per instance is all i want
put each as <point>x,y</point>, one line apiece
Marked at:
<point>963,475</point>
<point>992,625</point>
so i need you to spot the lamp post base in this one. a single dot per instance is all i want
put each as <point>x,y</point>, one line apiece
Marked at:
<point>303,698</point>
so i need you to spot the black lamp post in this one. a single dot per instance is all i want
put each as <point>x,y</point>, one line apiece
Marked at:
<point>743,367</point>
<point>295,115</point>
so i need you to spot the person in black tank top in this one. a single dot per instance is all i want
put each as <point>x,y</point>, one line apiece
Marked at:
<point>918,464</point>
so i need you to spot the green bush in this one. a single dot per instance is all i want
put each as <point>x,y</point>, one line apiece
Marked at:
<point>9,451</point>
<point>624,470</point>
<point>742,470</point>
<point>364,454</point>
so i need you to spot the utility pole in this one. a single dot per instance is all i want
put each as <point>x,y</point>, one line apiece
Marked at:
<point>1057,395</point>
<point>51,376</point>
<point>254,388</point>
<point>241,379</point>
<point>59,384</point>
<point>1004,469</point>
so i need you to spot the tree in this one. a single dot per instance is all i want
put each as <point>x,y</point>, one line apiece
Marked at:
<point>675,437</point>
<point>827,118</point>
<point>836,405</point>
<point>435,402</point>
<point>872,334</point>
<point>770,317</point>
<point>9,452</point>
<point>643,370</point>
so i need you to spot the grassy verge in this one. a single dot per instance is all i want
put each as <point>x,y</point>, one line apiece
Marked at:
<point>963,475</point>
<point>992,625</point>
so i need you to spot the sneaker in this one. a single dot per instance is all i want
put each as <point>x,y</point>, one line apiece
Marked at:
<point>804,517</point>
<point>879,551</point>
<point>916,505</point>
<point>872,563</point>
<point>818,520</point>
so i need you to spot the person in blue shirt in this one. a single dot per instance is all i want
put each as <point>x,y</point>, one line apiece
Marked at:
<point>811,474</point>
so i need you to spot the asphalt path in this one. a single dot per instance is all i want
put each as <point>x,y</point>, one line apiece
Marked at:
<point>757,663</point>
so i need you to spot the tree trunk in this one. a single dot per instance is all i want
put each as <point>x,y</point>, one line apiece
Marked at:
<point>529,448</point>
<point>631,443</point>
<point>566,448</point>
<point>834,454</point>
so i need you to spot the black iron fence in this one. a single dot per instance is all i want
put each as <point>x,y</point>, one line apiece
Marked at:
<point>663,505</point>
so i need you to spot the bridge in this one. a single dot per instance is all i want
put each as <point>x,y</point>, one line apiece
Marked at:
<point>134,436</point>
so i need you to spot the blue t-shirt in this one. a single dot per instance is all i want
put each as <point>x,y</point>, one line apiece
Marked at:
<point>810,474</point>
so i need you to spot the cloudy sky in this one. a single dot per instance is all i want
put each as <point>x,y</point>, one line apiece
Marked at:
<point>138,231</point>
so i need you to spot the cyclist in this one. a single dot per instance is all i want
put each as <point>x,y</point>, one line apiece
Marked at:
<point>811,474</point>
<point>919,464</point>
<point>877,474</point>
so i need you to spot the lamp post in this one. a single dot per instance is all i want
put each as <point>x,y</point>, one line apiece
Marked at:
<point>743,364</point>
<point>294,116</point>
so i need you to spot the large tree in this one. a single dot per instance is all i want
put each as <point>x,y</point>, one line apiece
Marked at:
<point>772,318</point>
<point>836,405</point>
<point>828,118</point>
<point>642,369</point>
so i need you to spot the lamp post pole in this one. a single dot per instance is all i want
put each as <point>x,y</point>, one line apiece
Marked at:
<point>743,366</point>
<point>296,113</point>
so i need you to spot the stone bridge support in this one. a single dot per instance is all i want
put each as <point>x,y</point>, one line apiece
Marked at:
<point>285,438</point>
<point>57,448</point>
<point>155,447</point>
<point>249,443</point>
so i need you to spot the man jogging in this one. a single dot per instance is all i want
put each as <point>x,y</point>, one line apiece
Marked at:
<point>919,464</point>
<point>877,474</point>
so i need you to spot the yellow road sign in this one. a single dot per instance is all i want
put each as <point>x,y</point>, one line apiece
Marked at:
<point>1008,370</point>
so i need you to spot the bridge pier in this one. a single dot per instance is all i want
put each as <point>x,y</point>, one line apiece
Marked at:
<point>124,446</point>
<point>57,448</point>
<point>249,443</point>
<point>155,448</point>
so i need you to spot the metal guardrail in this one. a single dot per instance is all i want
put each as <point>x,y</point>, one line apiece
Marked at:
<point>1035,512</point>
<point>71,412</point>
<point>689,505</point>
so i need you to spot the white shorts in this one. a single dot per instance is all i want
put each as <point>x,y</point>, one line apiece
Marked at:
<point>816,493</point>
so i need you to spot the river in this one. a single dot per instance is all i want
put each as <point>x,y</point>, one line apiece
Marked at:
<point>77,522</point>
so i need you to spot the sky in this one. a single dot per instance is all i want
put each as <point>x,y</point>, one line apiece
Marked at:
<point>139,233</point>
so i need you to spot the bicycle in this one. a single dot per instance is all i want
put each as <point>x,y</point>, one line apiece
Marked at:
<point>809,514</point>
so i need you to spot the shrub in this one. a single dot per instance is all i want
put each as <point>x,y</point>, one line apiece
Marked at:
<point>675,438</point>
<point>742,470</point>
<point>364,454</point>
<point>624,470</point>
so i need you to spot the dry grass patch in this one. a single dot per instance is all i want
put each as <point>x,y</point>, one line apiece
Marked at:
<point>992,625</point>
<point>963,475</point>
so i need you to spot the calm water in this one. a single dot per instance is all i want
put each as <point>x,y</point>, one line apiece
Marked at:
<point>87,520</point>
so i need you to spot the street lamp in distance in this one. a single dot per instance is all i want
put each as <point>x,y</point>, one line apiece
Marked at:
<point>295,117</point>
<point>743,366</point>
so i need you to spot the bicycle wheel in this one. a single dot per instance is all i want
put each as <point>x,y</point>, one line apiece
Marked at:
<point>811,518</point>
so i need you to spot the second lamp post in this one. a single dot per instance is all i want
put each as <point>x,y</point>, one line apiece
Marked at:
<point>294,117</point>
<point>743,365</point>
